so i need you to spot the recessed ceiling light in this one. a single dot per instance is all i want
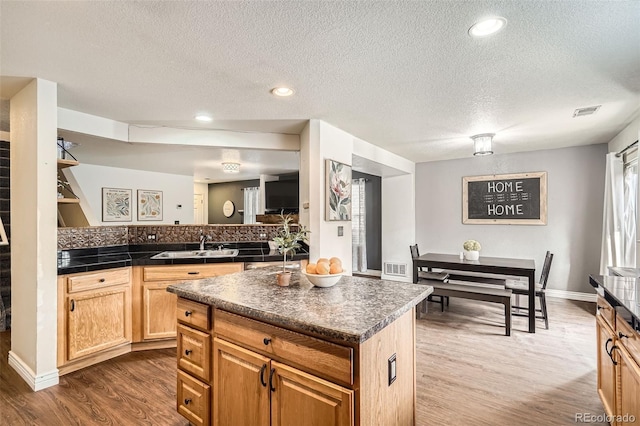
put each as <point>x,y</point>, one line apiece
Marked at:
<point>282,91</point>
<point>487,27</point>
<point>203,117</point>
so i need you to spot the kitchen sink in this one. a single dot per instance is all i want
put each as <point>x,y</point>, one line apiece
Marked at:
<point>195,254</point>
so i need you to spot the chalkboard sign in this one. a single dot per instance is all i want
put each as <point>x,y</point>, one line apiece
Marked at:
<point>509,199</point>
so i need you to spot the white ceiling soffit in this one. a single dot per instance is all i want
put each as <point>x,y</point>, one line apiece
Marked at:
<point>405,76</point>
<point>201,162</point>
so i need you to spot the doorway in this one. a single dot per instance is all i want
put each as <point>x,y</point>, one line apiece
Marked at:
<point>198,209</point>
<point>366,224</point>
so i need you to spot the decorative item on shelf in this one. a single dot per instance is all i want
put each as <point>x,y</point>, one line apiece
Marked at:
<point>64,187</point>
<point>471,249</point>
<point>288,241</point>
<point>64,147</point>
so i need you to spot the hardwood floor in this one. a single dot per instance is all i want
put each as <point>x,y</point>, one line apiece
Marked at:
<point>469,373</point>
<point>134,389</point>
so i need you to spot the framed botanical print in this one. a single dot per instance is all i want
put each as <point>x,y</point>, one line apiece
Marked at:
<point>116,205</point>
<point>338,205</point>
<point>149,205</point>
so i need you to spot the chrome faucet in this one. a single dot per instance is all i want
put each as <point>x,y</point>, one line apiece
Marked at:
<point>203,239</point>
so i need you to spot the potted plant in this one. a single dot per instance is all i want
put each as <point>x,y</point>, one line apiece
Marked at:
<point>471,249</point>
<point>288,241</point>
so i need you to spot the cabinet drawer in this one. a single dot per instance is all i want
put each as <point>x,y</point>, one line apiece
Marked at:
<point>606,311</point>
<point>98,279</point>
<point>195,314</point>
<point>308,353</point>
<point>194,352</point>
<point>632,339</point>
<point>189,272</point>
<point>193,399</point>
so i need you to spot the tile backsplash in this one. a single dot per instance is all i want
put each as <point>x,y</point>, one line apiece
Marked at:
<point>101,236</point>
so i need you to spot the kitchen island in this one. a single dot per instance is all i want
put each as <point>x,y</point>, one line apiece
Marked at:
<point>253,353</point>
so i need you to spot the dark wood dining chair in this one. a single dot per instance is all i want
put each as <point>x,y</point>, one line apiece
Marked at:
<point>522,287</point>
<point>423,275</point>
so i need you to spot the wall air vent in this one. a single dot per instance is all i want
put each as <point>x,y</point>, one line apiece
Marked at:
<point>399,269</point>
<point>586,111</point>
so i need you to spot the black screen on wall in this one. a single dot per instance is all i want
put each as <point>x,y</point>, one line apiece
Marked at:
<point>281,194</point>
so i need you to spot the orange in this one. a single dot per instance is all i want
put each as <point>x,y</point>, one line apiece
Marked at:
<point>322,268</point>
<point>335,268</point>
<point>311,268</point>
<point>323,259</point>
<point>335,260</point>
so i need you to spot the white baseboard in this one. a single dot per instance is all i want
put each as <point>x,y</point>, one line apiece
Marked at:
<point>35,382</point>
<point>572,295</point>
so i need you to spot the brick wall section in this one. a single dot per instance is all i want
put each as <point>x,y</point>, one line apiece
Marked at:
<point>5,251</point>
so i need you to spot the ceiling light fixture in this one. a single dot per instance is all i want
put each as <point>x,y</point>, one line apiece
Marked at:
<point>487,26</point>
<point>482,144</point>
<point>204,118</point>
<point>231,167</point>
<point>282,91</point>
<point>580,112</point>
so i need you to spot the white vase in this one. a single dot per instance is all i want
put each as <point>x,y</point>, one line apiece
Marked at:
<point>471,254</point>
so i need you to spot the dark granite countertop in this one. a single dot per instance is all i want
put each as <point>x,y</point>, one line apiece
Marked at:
<point>93,259</point>
<point>352,310</point>
<point>623,293</point>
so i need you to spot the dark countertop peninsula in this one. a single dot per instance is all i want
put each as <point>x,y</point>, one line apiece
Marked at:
<point>92,259</point>
<point>352,311</point>
<point>623,293</point>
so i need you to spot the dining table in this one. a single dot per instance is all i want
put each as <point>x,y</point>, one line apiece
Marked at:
<point>525,268</point>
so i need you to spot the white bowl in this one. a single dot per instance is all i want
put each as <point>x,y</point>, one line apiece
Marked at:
<point>322,280</point>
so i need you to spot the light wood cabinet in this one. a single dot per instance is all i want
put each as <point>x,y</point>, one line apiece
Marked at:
<point>264,374</point>
<point>251,389</point>
<point>94,317</point>
<point>618,366</point>
<point>606,368</point>
<point>155,314</point>
<point>194,361</point>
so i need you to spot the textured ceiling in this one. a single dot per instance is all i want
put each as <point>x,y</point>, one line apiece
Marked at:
<point>401,75</point>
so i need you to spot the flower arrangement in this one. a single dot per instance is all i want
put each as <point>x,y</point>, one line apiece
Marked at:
<point>288,241</point>
<point>471,245</point>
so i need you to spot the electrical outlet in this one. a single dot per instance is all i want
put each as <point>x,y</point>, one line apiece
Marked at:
<point>340,231</point>
<point>151,237</point>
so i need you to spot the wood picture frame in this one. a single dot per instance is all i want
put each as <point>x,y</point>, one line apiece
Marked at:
<point>116,205</point>
<point>506,199</point>
<point>338,190</point>
<point>149,205</point>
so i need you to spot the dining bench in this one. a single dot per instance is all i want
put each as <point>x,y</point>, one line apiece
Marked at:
<point>475,292</point>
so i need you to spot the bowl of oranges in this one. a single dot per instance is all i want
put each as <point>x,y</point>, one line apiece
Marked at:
<point>325,272</point>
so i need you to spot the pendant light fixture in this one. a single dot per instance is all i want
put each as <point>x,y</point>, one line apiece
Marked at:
<point>482,143</point>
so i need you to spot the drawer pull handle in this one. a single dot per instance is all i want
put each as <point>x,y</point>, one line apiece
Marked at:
<point>188,352</point>
<point>262,370</point>
<point>187,401</point>
<point>621,335</point>
<point>73,305</point>
<point>606,346</point>
<point>273,389</point>
<point>266,341</point>
<point>193,273</point>
<point>600,307</point>
<point>102,280</point>
<point>187,313</point>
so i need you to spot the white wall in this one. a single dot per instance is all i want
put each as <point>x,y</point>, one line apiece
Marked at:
<point>575,200</point>
<point>89,179</point>
<point>398,222</point>
<point>33,234</point>
<point>627,136</point>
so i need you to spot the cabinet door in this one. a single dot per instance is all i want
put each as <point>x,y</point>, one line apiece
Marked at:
<point>159,311</point>
<point>606,368</point>
<point>240,387</point>
<point>629,388</point>
<point>300,399</point>
<point>98,320</point>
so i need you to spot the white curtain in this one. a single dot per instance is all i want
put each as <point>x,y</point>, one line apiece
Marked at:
<point>611,253</point>
<point>630,208</point>
<point>358,225</point>
<point>250,204</point>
